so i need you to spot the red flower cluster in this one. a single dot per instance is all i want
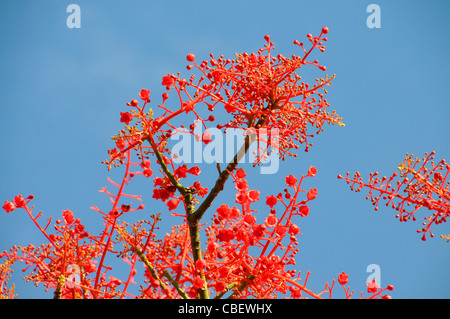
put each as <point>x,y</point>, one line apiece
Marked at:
<point>259,90</point>
<point>421,183</point>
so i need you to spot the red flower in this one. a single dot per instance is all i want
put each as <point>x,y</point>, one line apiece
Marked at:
<point>224,271</point>
<point>212,247</point>
<point>200,190</point>
<point>190,57</point>
<point>291,180</point>
<point>259,230</point>
<point>250,219</point>
<point>145,94</point>
<point>253,195</point>
<point>224,211</point>
<point>68,217</point>
<point>235,213</point>
<point>312,171</point>
<point>161,194</point>
<point>158,181</point>
<point>312,193</point>
<point>225,235</point>
<point>126,117</point>
<point>304,211</point>
<point>241,185</point>
<point>146,164</point>
<point>167,80</point>
<point>343,278</point>
<point>90,267</point>
<point>199,283</point>
<point>194,170</point>
<point>200,264</point>
<point>206,137</point>
<point>240,173</point>
<point>241,198</point>
<point>173,203</point>
<point>9,207</point>
<point>181,171</point>
<point>372,287</point>
<point>121,144</point>
<point>220,286</point>
<point>271,201</point>
<point>271,220</point>
<point>148,172</point>
<point>280,230</point>
<point>242,234</point>
<point>293,229</point>
<point>19,201</point>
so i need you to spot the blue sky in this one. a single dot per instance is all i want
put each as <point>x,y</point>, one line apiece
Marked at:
<point>62,91</point>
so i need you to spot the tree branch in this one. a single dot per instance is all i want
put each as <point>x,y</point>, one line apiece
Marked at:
<point>223,176</point>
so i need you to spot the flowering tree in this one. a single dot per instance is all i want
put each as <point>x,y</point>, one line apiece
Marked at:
<point>244,253</point>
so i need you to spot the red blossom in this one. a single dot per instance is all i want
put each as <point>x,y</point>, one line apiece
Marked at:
<point>224,211</point>
<point>199,283</point>
<point>294,229</point>
<point>121,144</point>
<point>343,278</point>
<point>145,94</point>
<point>134,103</point>
<point>200,264</point>
<point>194,170</point>
<point>240,173</point>
<point>312,193</point>
<point>271,201</point>
<point>250,219</point>
<point>312,171</point>
<point>421,183</point>
<point>173,203</point>
<point>9,207</point>
<point>148,172</point>
<point>271,220</point>
<point>181,171</point>
<point>190,57</point>
<point>224,271</point>
<point>220,286</point>
<point>372,286</point>
<point>146,164</point>
<point>225,235</point>
<point>259,230</point>
<point>68,217</point>
<point>291,180</point>
<point>304,210</point>
<point>253,195</point>
<point>167,80</point>
<point>206,137</point>
<point>19,201</point>
<point>280,230</point>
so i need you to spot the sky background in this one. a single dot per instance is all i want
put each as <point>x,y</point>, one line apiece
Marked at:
<point>62,91</point>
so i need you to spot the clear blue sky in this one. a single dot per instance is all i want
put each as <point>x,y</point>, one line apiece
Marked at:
<point>62,91</point>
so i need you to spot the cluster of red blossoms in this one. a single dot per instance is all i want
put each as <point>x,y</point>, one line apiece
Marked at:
<point>420,184</point>
<point>246,253</point>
